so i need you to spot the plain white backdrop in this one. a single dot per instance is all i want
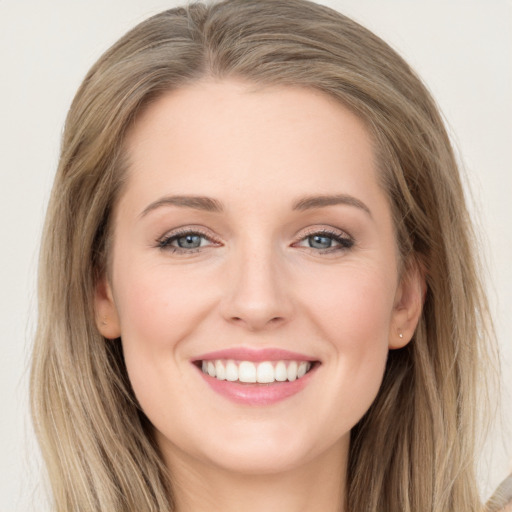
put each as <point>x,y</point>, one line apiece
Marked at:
<point>462,49</point>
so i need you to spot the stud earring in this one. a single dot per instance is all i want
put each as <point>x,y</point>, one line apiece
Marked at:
<point>400,335</point>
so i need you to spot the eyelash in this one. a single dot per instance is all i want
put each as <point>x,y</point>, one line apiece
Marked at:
<point>164,243</point>
<point>344,241</point>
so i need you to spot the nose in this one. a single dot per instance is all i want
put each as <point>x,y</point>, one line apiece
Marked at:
<point>256,291</point>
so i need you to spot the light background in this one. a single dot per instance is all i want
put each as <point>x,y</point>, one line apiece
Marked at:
<point>461,48</point>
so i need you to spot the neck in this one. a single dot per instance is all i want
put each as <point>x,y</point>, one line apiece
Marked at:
<point>318,484</point>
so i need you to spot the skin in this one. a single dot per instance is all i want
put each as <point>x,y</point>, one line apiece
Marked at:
<point>255,281</point>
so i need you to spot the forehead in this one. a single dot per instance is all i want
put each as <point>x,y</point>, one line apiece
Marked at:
<point>221,137</point>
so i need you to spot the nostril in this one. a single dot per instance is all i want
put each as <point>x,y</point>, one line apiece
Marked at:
<point>253,323</point>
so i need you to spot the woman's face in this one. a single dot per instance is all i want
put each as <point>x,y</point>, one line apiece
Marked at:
<point>253,240</point>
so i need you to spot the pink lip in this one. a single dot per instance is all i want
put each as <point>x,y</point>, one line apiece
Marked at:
<point>257,394</point>
<point>254,355</point>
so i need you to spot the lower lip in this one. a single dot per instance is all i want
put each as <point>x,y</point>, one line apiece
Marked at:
<point>258,394</point>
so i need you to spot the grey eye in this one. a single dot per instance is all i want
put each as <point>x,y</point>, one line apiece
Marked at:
<point>320,242</point>
<point>185,242</point>
<point>189,241</point>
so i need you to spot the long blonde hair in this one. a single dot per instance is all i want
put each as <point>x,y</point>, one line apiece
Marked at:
<point>414,450</point>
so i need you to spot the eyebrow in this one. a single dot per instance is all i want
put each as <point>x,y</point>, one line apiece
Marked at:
<point>313,202</point>
<point>206,204</point>
<point>209,204</point>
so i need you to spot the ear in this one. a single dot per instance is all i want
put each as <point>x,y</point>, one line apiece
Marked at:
<point>107,319</point>
<point>408,306</point>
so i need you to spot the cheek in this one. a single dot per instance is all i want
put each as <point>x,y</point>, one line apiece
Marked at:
<point>158,307</point>
<point>157,310</point>
<point>355,319</point>
<point>355,308</point>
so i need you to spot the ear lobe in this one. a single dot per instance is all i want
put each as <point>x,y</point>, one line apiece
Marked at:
<point>408,306</point>
<point>107,319</point>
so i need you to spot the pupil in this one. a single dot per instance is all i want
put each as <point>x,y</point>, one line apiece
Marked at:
<point>189,241</point>
<point>320,242</point>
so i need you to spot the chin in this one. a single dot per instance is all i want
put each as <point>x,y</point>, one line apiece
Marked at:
<point>259,458</point>
<point>262,449</point>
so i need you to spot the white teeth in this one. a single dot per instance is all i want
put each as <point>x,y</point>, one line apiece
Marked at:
<point>292,371</point>
<point>280,372</point>
<point>220,372</point>
<point>231,371</point>
<point>302,369</point>
<point>246,372</point>
<point>265,372</point>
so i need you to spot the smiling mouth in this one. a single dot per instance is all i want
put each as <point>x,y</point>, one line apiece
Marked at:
<point>249,372</point>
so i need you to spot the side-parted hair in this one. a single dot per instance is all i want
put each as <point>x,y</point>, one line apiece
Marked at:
<point>414,450</point>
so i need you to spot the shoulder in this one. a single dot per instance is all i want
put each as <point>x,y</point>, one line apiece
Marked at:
<point>507,507</point>
<point>501,500</point>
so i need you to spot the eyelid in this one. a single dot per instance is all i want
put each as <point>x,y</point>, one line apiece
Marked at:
<point>344,240</point>
<point>315,230</point>
<point>163,242</point>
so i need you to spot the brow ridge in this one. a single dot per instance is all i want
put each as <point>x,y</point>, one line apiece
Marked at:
<point>195,202</point>
<point>213,205</point>
<point>312,202</point>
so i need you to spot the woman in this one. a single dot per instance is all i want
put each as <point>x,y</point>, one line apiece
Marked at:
<point>206,343</point>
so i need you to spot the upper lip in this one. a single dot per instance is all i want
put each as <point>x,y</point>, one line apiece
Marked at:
<point>254,355</point>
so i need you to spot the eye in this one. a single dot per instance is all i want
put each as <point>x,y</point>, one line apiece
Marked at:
<point>185,241</point>
<point>327,241</point>
<point>189,241</point>
<point>320,241</point>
